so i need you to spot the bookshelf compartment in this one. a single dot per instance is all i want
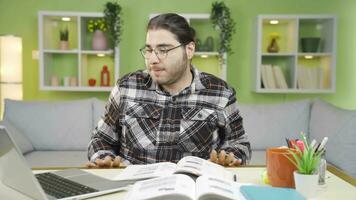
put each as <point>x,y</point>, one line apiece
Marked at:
<point>314,73</point>
<point>92,64</point>
<point>60,67</point>
<point>52,25</point>
<point>285,71</point>
<point>284,29</point>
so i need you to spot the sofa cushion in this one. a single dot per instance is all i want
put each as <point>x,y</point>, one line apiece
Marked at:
<point>339,125</point>
<point>268,125</point>
<point>52,125</point>
<point>98,111</point>
<point>21,140</point>
<point>57,158</point>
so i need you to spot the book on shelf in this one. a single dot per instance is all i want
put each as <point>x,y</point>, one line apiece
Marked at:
<point>310,77</point>
<point>279,77</point>
<point>189,165</point>
<point>256,192</point>
<point>183,187</point>
<point>273,77</point>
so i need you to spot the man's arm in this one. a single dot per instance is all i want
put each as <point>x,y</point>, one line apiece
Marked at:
<point>234,138</point>
<point>105,137</point>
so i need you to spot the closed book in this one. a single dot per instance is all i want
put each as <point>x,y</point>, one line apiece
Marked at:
<point>254,192</point>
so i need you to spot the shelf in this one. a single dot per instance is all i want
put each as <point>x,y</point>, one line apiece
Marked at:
<point>298,66</point>
<point>69,69</point>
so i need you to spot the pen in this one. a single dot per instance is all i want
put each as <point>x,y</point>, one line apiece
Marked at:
<point>312,144</point>
<point>322,144</point>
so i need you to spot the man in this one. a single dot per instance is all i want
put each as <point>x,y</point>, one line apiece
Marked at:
<point>170,110</point>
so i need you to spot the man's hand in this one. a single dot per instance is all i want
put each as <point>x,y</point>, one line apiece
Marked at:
<point>107,162</point>
<point>224,159</point>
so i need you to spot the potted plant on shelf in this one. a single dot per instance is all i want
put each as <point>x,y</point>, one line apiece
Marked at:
<point>98,26</point>
<point>114,21</point>
<point>221,19</point>
<point>306,159</point>
<point>63,39</point>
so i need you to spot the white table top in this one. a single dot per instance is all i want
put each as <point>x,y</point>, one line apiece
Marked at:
<point>335,187</point>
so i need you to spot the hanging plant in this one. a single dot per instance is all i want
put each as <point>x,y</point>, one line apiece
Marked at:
<point>113,21</point>
<point>221,19</point>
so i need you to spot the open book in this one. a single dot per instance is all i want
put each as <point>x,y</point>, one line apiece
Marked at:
<point>190,165</point>
<point>182,187</point>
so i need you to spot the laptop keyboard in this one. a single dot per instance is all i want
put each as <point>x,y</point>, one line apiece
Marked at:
<point>60,187</point>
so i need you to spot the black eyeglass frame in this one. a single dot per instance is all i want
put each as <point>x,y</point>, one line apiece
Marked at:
<point>165,52</point>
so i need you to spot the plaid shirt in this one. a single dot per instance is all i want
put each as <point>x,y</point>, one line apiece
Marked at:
<point>144,124</point>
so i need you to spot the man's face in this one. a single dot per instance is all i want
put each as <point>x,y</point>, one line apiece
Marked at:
<point>171,68</point>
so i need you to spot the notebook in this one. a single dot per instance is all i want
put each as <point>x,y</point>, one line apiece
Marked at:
<point>255,192</point>
<point>63,184</point>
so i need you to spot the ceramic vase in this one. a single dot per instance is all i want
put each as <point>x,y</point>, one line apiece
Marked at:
<point>306,184</point>
<point>99,42</point>
<point>273,46</point>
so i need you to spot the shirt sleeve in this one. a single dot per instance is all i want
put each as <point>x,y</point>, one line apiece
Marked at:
<point>105,137</point>
<point>234,138</point>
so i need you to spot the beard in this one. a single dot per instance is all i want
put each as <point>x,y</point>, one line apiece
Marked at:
<point>169,75</point>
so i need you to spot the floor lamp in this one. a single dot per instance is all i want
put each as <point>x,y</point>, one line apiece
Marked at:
<point>10,69</point>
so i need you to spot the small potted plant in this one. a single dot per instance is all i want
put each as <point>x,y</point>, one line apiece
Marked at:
<point>63,39</point>
<point>98,26</point>
<point>306,159</point>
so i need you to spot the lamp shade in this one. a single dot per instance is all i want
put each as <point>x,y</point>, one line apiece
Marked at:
<point>11,59</point>
<point>10,68</point>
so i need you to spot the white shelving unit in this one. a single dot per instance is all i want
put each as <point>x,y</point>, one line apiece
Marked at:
<point>304,71</point>
<point>207,61</point>
<point>79,61</point>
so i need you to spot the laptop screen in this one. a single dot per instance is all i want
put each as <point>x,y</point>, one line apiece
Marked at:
<point>14,171</point>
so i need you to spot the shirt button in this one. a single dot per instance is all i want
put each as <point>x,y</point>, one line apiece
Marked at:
<point>200,115</point>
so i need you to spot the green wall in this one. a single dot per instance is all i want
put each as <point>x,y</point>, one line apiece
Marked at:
<point>19,17</point>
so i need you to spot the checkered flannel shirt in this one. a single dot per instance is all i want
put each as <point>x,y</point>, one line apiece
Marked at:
<point>144,124</point>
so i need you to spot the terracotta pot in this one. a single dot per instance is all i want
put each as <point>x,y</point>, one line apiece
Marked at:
<point>63,45</point>
<point>91,82</point>
<point>279,168</point>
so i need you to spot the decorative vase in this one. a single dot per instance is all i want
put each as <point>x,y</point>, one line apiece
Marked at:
<point>306,184</point>
<point>92,82</point>
<point>209,44</point>
<point>99,42</point>
<point>273,46</point>
<point>63,45</point>
<point>310,44</point>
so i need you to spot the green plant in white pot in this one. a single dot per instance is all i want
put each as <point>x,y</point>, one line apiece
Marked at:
<point>307,160</point>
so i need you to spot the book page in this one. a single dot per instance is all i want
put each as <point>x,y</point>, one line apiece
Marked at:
<point>216,188</point>
<point>176,186</point>
<point>198,166</point>
<point>138,172</point>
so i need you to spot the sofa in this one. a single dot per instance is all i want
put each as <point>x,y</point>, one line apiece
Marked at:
<point>56,134</point>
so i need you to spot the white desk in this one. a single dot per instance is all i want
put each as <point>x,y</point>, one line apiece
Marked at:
<point>335,187</point>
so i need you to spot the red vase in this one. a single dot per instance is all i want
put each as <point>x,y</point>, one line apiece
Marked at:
<point>105,76</point>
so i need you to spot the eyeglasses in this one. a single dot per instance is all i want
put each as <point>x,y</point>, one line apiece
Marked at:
<point>161,52</point>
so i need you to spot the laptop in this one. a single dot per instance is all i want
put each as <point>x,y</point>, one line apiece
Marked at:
<point>64,184</point>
